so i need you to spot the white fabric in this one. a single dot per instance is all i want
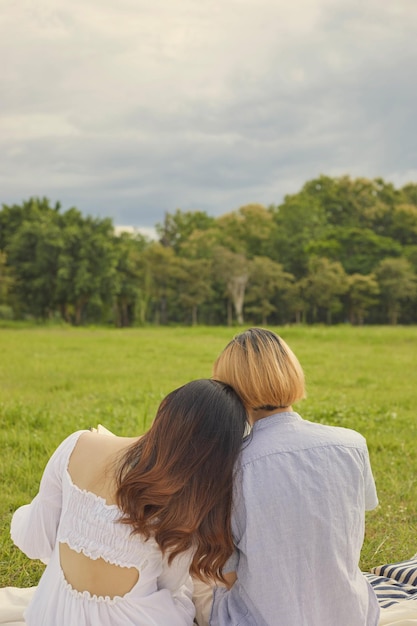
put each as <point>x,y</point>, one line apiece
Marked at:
<point>203,600</point>
<point>61,512</point>
<point>13,602</point>
<point>402,614</point>
<point>298,526</point>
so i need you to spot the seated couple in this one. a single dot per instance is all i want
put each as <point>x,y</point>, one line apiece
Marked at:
<point>270,528</point>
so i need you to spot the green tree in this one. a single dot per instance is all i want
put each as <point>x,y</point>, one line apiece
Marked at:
<point>295,302</point>
<point>300,219</point>
<point>160,273</point>
<point>349,202</point>
<point>33,253</point>
<point>6,287</point>
<point>12,217</point>
<point>201,244</point>
<point>267,281</point>
<point>130,299</point>
<point>397,283</point>
<point>6,280</point>
<point>86,274</point>
<point>357,249</point>
<point>404,224</point>
<point>233,269</point>
<point>324,285</point>
<point>194,284</point>
<point>177,228</point>
<point>362,294</point>
<point>250,230</point>
<point>409,193</point>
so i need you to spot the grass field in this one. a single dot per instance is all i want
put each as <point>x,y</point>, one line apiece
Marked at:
<point>54,381</point>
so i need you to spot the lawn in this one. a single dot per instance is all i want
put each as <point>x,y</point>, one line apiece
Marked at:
<point>56,380</point>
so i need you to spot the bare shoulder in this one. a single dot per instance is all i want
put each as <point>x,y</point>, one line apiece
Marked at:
<point>100,443</point>
<point>92,462</point>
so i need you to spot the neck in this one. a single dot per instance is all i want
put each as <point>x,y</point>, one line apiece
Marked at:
<point>258,414</point>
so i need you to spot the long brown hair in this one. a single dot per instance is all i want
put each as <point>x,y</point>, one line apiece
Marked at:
<point>175,483</point>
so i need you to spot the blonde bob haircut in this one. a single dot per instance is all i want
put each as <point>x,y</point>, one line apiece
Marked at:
<point>262,369</point>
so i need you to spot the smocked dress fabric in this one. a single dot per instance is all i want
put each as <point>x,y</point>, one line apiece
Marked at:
<point>64,513</point>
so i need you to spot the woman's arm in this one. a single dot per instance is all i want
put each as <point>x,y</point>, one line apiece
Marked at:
<point>230,579</point>
<point>34,526</point>
<point>176,578</point>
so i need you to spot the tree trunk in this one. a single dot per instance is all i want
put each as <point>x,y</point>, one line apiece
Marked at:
<point>393,316</point>
<point>78,309</point>
<point>142,306</point>
<point>229,313</point>
<point>64,312</point>
<point>125,314</point>
<point>116,310</point>
<point>164,311</point>
<point>237,287</point>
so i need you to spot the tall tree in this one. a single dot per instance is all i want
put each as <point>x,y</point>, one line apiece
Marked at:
<point>404,224</point>
<point>194,284</point>
<point>177,228</point>
<point>324,284</point>
<point>33,252</point>
<point>86,276</point>
<point>12,217</point>
<point>362,294</point>
<point>250,230</point>
<point>397,283</point>
<point>233,269</point>
<point>160,274</point>
<point>6,286</point>
<point>130,299</point>
<point>357,249</point>
<point>267,281</point>
<point>409,192</point>
<point>300,219</point>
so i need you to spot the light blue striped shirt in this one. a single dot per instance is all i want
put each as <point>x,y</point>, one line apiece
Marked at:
<point>298,524</point>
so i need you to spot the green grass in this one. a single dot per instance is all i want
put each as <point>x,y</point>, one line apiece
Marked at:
<point>56,380</point>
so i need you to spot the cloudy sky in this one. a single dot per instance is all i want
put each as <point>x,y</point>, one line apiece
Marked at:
<point>129,109</point>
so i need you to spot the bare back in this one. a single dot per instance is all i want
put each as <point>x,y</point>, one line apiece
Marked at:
<point>91,468</point>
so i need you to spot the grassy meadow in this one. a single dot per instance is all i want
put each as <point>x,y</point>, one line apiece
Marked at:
<point>57,380</point>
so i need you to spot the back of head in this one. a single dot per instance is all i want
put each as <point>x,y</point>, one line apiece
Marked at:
<point>204,419</point>
<point>262,369</point>
<point>176,482</point>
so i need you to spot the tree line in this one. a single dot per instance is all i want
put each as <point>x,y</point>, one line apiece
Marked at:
<point>339,250</point>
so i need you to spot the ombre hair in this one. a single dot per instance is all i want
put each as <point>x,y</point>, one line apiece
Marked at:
<point>262,369</point>
<point>175,483</point>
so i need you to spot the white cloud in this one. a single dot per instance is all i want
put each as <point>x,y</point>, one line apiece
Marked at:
<point>133,108</point>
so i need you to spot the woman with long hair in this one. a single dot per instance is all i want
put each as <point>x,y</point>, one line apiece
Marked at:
<point>123,522</point>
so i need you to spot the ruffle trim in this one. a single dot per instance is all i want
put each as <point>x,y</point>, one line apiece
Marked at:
<point>112,559</point>
<point>86,595</point>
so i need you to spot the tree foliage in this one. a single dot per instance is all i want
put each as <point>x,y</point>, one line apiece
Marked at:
<point>340,249</point>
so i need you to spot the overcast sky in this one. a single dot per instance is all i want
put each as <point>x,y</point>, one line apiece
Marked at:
<point>129,109</point>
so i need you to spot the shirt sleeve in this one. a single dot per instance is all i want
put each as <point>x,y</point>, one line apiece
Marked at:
<point>231,563</point>
<point>34,526</point>
<point>176,578</point>
<point>371,497</point>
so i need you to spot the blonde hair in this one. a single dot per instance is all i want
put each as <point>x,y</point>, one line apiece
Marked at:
<point>262,369</point>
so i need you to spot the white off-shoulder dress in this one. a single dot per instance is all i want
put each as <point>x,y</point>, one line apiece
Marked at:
<point>64,513</point>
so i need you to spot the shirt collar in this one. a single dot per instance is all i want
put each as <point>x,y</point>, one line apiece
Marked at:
<point>285,417</point>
